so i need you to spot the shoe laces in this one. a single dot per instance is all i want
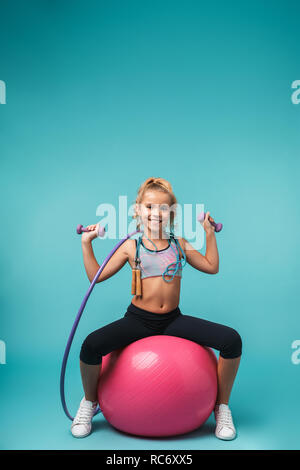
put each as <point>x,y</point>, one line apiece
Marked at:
<point>84,414</point>
<point>224,418</point>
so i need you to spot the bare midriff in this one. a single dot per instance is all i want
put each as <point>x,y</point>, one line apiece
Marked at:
<point>158,296</point>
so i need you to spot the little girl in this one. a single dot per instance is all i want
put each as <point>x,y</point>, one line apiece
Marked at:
<point>157,271</point>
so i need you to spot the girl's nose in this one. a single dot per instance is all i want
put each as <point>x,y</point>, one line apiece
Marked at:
<point>155,213</point>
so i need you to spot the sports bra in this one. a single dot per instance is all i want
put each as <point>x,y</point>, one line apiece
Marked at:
<point>165,262</point>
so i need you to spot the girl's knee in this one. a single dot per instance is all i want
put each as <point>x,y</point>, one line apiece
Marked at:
<point>89,353</point>
<point>232,346</point>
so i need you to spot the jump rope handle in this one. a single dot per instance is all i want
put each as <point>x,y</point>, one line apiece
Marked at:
<point>201,217</point>
<point>100,230</point>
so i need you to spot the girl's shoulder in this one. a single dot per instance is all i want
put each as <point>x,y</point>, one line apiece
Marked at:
<point>129,246</point>
<point>181,242</point>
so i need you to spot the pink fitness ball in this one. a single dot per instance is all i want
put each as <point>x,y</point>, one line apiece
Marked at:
<point>158,386</point>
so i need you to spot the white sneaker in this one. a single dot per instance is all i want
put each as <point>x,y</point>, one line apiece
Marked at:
<point>82,423</point>
<point>225,428</point>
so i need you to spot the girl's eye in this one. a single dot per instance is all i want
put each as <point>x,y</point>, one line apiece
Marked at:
<point>162,208</point>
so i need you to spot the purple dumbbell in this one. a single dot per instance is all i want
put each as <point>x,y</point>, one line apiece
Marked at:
<point>100,230</point>
<point>201,217</point>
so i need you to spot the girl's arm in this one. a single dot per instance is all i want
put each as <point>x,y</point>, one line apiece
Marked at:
<point>210,262</point>
<point>115,263</point>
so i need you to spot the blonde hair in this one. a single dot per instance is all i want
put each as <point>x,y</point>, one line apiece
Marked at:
<point>157,184</point>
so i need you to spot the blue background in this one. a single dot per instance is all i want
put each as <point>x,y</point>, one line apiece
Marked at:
<point>100,96</point>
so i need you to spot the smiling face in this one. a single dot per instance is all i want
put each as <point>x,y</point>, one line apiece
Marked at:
<point>154,211</point>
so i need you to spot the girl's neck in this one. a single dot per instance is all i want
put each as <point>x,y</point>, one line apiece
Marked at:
<point>156,236</point>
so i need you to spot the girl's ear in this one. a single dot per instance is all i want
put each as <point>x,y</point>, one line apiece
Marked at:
<point>137,210</point>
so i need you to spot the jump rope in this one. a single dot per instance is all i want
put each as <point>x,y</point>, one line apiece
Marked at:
<point>135,285</point>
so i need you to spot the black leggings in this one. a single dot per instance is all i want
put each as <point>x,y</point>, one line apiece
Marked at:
<point>138,323</point>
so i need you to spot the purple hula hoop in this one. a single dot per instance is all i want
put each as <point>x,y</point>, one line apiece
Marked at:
<point>74,327</point>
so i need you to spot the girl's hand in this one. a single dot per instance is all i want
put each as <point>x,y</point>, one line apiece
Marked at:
<point>208,227</point>
<point>91,234</point>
